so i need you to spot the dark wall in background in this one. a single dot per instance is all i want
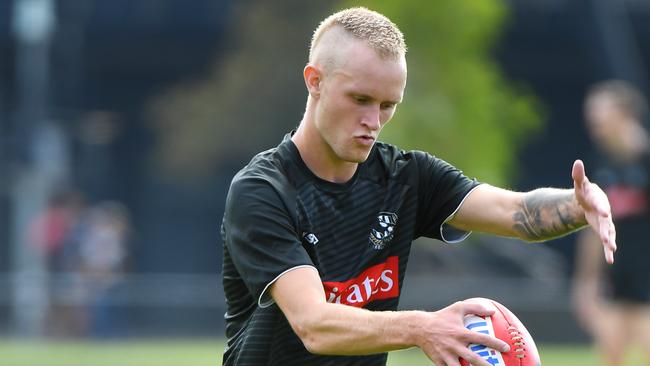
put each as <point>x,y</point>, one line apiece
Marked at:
<point>558,49</point>
<point>115,54</point>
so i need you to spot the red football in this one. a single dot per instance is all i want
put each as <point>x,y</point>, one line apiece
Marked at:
<point>505,326</point>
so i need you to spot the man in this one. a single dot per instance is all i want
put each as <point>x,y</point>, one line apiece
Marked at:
<point>317,231</point>
<point>620,317</point>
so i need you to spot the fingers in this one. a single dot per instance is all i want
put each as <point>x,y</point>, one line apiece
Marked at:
<point>607,233</point>
<point>450,361</point>
<point>477,308</point>
<point>447,340</point>
<point>473,358</point>
<point>471,355</point>
<point>609,247</point>
<point>597,211</point>
<point>488,341</point>
<point>437,361</point>
<point>453,359</point>
<point>609,255</point>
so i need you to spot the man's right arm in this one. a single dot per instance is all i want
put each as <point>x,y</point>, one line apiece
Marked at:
<point>335,329</point>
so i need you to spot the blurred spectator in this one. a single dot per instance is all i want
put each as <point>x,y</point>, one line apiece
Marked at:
<point>614,304</point>
<point>53,234</point>
<point>52,230</point>
<point>86,249</point>
<point>103,252</point>
<point>102,243</point>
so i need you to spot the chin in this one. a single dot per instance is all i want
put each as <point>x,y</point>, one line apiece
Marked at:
<point>355,155</point>
<point>359,158</point>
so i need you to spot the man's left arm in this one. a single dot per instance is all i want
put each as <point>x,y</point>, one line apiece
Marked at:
<point>541,214</point>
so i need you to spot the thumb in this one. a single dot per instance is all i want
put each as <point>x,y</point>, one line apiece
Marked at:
<point>578,173</point>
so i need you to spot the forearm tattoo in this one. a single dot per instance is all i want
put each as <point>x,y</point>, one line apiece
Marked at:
<point>548,213</point>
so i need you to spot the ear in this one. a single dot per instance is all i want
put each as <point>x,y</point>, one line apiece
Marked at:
<point>313,77</point>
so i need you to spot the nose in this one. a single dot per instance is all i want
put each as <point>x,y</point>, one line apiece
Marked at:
<point>371,118</point>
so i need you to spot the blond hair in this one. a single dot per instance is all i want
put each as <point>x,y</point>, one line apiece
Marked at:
<point>377,30</point>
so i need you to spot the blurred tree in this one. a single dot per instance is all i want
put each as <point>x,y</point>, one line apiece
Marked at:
<point>457,104</point>
<point>254,94</point>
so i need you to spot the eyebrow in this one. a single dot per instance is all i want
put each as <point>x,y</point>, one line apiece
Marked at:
<point>373,98</point>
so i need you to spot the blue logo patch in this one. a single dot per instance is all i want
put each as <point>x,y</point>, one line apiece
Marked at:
<point>484,325</point>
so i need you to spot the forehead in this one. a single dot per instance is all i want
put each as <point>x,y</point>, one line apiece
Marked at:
<point>600,103</point>
<point>361,68</point>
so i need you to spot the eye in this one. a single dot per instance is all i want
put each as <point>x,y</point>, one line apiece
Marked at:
<point>387,106</point>
<point>360,99</point>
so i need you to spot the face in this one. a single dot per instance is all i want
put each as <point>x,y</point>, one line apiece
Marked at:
<point>356,100</point>
<point>603,119</point>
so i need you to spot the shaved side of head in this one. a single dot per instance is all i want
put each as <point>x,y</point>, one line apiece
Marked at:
<point>346,28</point>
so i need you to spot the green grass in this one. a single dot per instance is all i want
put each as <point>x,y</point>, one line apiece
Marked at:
<point>124,353</point>
<point>204,352</point>
<point>551,356</point>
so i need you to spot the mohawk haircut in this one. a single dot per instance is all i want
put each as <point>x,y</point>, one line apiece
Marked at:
<point>375,29</point>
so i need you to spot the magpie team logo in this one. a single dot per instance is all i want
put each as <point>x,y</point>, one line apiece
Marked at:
<point>383,231</point>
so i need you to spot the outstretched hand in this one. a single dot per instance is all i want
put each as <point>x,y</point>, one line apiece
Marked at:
<point>596,207</point>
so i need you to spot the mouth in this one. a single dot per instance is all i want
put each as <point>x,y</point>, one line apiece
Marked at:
<point>365,139</point>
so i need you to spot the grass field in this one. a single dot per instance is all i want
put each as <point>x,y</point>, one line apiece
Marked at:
<point>204,352</point>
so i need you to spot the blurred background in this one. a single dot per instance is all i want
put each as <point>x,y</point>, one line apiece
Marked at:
<point>122,123</point>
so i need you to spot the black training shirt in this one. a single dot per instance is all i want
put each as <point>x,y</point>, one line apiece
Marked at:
<point>280,216</point>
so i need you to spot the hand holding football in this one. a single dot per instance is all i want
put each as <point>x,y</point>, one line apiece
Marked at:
<point>507,327</point>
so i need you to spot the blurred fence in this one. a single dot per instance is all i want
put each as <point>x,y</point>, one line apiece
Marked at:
<point>174,305</point>
<point>138,305</point>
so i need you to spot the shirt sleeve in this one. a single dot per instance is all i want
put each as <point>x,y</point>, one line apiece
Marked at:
<point>260,236</point>
<point>442,189</point>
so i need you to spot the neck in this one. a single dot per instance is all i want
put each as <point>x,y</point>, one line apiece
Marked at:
<point>318,154</point>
